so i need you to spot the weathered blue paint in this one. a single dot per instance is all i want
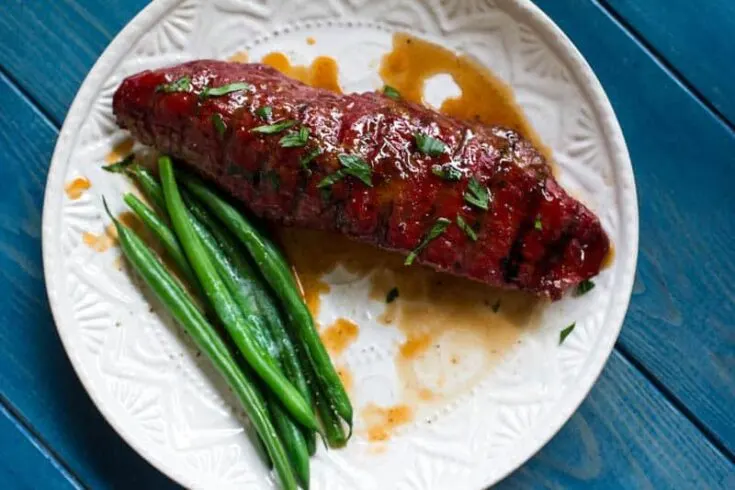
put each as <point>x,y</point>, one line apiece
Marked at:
<point>662,420</point>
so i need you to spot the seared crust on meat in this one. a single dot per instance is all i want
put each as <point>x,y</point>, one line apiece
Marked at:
<point>533,237</point>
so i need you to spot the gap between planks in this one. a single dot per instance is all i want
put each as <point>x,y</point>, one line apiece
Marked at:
<point>675,402</point>
<point>661,61</point>
<point>29,432</point>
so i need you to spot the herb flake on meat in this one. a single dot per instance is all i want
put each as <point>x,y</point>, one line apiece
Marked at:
<point>428,145</point>
<point>466,228</point>
<point>447,172</point>
<point>275,128</point>
<point>219,123</point>
<point>439,227</point>
<point>295,139</point>
<point>477,194</point>
<point>391,92</point>
<point>264,112</point>
<point>183,84</point>
<point>351,165</point>
<point>209,92</point>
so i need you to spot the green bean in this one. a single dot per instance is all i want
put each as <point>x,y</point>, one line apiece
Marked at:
<point>181,306</point>
<point>221,300</point>
<point>244,295</point>
<point>150,187</point>
<point>290,362</point>
<point>238,288</point>
<point>164,234</point>
<point>259,291</point>
<point>278,274</point>
<point>293,440</point>
<point>331,424</point>
<point>240,280</point>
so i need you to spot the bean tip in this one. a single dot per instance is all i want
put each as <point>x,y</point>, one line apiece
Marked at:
<point>164,160</point>
<point>107,210</point>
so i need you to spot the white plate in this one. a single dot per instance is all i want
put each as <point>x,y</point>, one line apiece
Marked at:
<point>168,404</point>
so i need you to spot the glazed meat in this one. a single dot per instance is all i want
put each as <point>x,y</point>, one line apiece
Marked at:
<point>473,200</point>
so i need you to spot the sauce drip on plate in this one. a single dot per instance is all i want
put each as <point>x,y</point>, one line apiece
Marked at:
<point>484,97</point>
<point>103,241</point>
<point>76,188</point>
<point>453,330</point>
<point>322,73</point>
<point>338,336</point>
<point>120,151</point>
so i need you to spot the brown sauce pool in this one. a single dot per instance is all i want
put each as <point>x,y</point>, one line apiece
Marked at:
<point>339,335</point>
<point>104,241</point>
<point>120,151</point>
<point>452,335</point>
<point>484,98</point>
<point>322,73</point>
<point>382,421</point>
<point>239,57</point>
<point>77,187</point>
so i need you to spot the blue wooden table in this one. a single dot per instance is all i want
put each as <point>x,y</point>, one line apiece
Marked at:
<point>662,414</point>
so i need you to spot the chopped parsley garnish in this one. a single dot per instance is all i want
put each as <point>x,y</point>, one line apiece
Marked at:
<point>496,306</point>
<point>183,84</point>
<point>391,92</point>
<point>537,223</point>
<point>121,166</point>
<point>264,112</point>
<point>447,172</point>
<point>351,165</point>
<point>219,123</point>
<point>439,227</point>
<point>223,90</point>
<point>465,227</point>
<point>275,128</point>
<point>295,139</point>
<point>428,145</point>
<point>477,194</point>
<point>392,295</point>
<point>565,333</point>
<point>309,157</point>
<point>584,287</point>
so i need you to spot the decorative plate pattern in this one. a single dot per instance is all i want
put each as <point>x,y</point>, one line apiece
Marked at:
<point>167,402</point>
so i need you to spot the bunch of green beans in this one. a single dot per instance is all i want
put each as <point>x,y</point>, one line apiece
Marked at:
<point>181,306</point>
<point>205,243</point>
<point>276,271</point>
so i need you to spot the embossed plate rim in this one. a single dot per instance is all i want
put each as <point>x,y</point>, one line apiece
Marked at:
<point>550,33</point>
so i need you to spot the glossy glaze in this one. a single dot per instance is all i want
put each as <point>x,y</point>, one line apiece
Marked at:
<point>404,199</point>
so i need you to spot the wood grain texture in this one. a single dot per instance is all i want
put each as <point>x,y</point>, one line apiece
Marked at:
<point>35,374</point>
<point>680,326</point>
<point>24,463</point>
<point>49,46</point>
<point>625,421</point>
<point>681,322</point>
<point>694,37</point>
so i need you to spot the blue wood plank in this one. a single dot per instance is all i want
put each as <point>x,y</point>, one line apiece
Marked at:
<point>35,374</point>
<point>625,435</point>
<point>694,37</point>
<point>24,463</point>
<point>48,47</point>
<point>680,323</point>
<point>678,327</point>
